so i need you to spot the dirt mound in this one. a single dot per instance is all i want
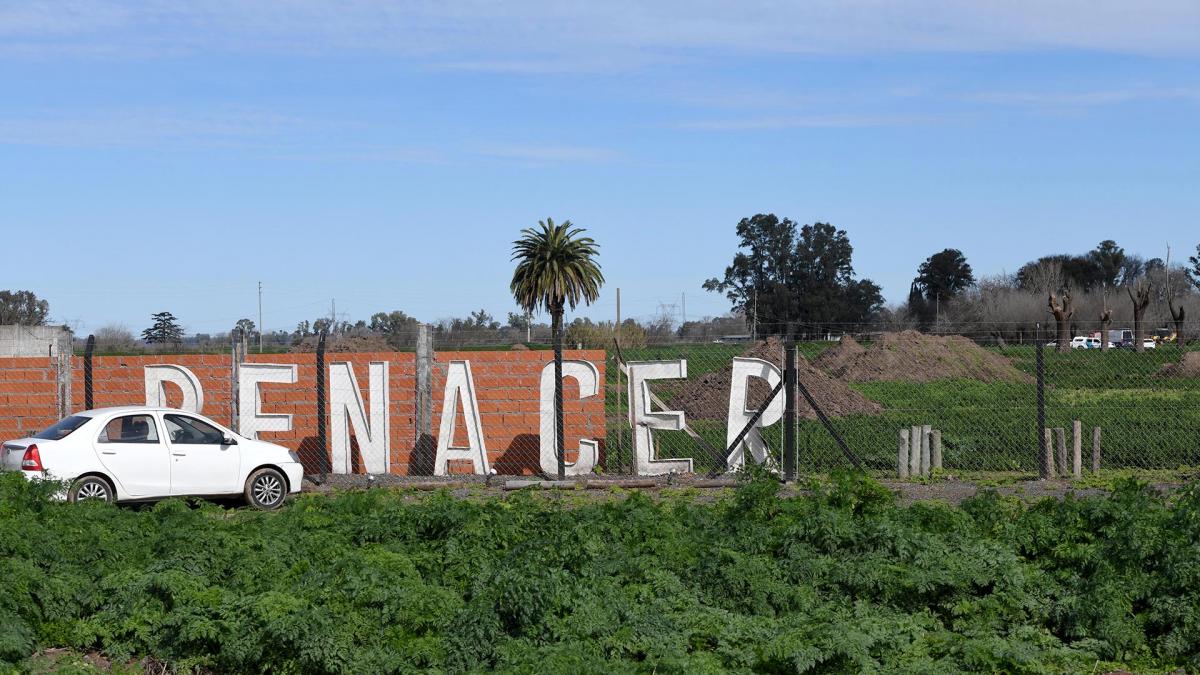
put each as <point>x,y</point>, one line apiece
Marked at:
<point>915,357</point>
<point>707,397</point>
<point>847,350</point>
<point>1189,366</point>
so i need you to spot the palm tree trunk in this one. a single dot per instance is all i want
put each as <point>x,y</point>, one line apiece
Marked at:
<point>559,443</point>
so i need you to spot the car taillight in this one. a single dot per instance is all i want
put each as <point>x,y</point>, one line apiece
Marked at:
<point>32,461</point>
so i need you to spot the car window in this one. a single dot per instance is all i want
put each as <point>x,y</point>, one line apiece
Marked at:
<point>62,428</point>
<point>189,430</point>
<point>129,429</point>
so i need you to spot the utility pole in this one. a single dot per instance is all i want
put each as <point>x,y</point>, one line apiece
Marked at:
<point>754,318</point>
<point>260,326</point>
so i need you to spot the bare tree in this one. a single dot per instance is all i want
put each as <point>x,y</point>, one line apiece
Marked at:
<point>1139,294</point>
<point>1176,316</point>
<point>1105,320</point>
<point>1062,316</point>
<point>115,337</point>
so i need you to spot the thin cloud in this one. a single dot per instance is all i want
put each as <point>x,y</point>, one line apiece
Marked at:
<point>535,35</point>
<point>152,128</point>
<point>544,153</point>
<point>1085,98</point>
<point>831,121</point>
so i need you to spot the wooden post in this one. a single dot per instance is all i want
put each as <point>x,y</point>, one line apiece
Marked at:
<point>914,456</point>
<point>925,449</point>
<point>902,456</point>
<point>1096,450</point>
<point>1077,449</point>
<point>935,451</point>
<point>1060,435</point>
<point>1047,454</point>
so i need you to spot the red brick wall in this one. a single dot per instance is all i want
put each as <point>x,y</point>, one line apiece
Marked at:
<point>506,384</point>
<point>28,397</point>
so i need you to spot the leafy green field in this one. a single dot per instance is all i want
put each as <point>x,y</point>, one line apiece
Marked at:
<point>1146,421</point>
<point>841,580</point>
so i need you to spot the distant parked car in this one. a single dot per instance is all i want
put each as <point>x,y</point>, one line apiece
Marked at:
<point>1147,343</point>
<point>1082,342</point>
<point>139,454</point>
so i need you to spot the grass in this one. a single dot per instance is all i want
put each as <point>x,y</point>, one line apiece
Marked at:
<point>1147,422</point>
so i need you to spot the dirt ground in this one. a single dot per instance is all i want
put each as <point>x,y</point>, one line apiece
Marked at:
<point>915,357</point>
<point>707,397</point>
<point>1188,367</point>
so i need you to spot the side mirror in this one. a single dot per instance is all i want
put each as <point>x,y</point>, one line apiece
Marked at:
<point>229,440</point>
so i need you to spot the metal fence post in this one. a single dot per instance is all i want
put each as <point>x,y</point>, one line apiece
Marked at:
<point>1045,470</point>
<point>89,397</point>
<point>789,412</point>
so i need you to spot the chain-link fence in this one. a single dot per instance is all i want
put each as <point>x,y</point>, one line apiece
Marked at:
<point>894,403</point>
<point>905,404</point>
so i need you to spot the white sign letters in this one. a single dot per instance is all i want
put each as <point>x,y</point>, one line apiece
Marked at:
<point>346,412</point>
<point>157,377</point>
<point>739,415</point>
<point>644,421</point>
<point>460,390</point>
<point>588,377</point>
<point>251,419</point>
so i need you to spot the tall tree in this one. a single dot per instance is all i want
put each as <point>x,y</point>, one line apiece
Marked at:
<point>941,277</point>
<point>165,329</point>
<point>22,308</point>
<point>1108,259</point>
<point>1193,272</point>
<point>398,328</point>
<point>783,274</point>
<point>556,268</point>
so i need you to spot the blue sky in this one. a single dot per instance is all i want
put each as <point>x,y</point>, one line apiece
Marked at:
<point>165,154</point>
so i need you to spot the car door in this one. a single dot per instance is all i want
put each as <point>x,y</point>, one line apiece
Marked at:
<point>131,449</point>
<point>201,463</point>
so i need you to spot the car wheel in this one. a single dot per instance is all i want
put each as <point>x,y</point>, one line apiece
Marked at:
<point>91,488</point>
<point>265,489</point>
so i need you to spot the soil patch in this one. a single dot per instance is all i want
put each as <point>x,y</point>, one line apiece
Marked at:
<point>915,357</point>
<point>707,397</point>
<point>1189,366</point>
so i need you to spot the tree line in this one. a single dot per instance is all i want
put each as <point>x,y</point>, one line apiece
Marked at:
<point>800,281</point>
<point>784,279</point>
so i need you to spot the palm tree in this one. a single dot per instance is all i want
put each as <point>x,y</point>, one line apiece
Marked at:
<point>556,267</point>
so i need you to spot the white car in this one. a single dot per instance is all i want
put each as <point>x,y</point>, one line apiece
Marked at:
<point>140,453</point>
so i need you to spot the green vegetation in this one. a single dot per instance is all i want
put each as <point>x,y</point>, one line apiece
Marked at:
<point>838,580</point>
<point>1147,421</point>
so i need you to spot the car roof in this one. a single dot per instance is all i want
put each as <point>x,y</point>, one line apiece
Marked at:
<point>99,412</point>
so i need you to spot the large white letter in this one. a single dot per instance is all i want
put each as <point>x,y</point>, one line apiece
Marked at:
<point>158,376</point>
<point>739,416</point>
<point>460,389</point>
<point>643,420</point>
<point>346,412</point>
<point>588,376</point>
<point>251,419</point>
